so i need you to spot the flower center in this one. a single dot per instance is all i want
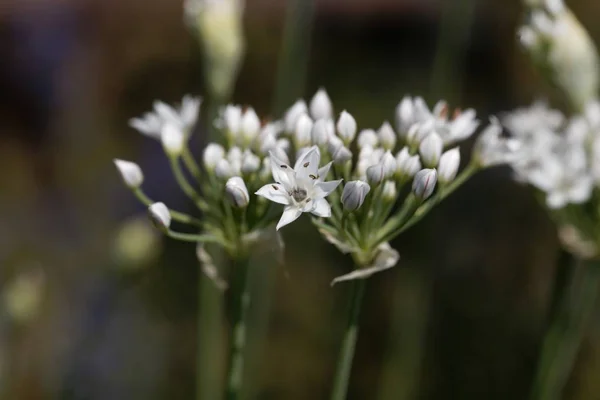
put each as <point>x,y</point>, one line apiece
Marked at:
<point>298,194</point>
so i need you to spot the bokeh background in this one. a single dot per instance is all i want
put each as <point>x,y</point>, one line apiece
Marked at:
<point>95,305</point>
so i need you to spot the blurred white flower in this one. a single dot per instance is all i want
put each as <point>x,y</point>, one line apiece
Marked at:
<point>131,173</point>
<point>346,127</point>
<point>213,153</point>
<point>320,106</point>
<point>184,117</point>
<point>386,258</point>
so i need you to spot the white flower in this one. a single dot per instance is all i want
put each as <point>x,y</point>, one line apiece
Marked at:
<point>151,123</point>
<point>341,155</point>
<point>386,258</point>
<point>160,216</point>
<point>448,166</point>
<point>300,189</point>
<point>389,164</point>
<point>173,139</point>
<point>320,106</point>
<point>431,149</point>
<point>237,192</point>
<point>389,191</point>
<point>130,172</point>
<point>461,127</point>
<point>250,162</point>
<point>354,194</point>
<point>376,173</point>
<point>250,125</point>
<point>367,138</point>
<point>346,127</point>
<point>303,131</point>
<point>213,153</point>
<point>409,112</point>
<point>223,170</point>
<point>387,136</point>
<point>231,121</point>
<point>292,115</point>
<point>493,149</point>
<point>321,132</point>
<point>424,183</point>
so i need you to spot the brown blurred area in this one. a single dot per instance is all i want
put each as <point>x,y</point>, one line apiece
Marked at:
<point>460,317</point>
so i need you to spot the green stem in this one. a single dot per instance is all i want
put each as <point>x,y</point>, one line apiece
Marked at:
<point>240,302</point>
<point>564,336</point>
<point>344,366</point>
<point>185,185</point>
<point>191,164</point>
<point>191,237</point>
<point>176,215</point>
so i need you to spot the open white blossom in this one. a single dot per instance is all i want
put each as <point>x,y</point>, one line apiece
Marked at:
<point>300,189</point>
<point>184,117</point>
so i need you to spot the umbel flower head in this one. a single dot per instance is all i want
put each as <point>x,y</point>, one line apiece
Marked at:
<point>301,189</point>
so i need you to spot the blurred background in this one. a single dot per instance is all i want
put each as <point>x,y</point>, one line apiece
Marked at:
<point>96,305</point>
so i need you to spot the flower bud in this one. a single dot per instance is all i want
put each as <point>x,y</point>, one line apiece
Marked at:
<point>431,149</point>
<point>232,121</point>
<point>173,140</point>
<point>320,105</point>
<point>223,170</point>
<point>237,192</point>
<point>292,114</point>
<point>387,136</point>
<point>250,125</point>
<point>376,173</point>
<point>341,155</point>
<point>389,164</point>
<point>213,153</point>
<point>389,191</point>
<point>303,131</point>
<point>131,173</point>
<point>334,143</point>
<point>346,127</point>
<point>367,138</point>
<point>160,216</point>
<point>354,194</point>
<point>405,115</point>
<point>411,166</point>
<point>424,183</point>
<point>448,166</point>
<point>321,132</point>
<point>250,162</point>
<point>265,143</point>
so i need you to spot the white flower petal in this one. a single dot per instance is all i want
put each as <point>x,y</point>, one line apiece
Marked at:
<point>274,192</point>
<point>325,188</point>
<point>308,164</point>
<point>282,173</point>
<point>324,171</point>
<point>321,208</point>
<point>290,214</point>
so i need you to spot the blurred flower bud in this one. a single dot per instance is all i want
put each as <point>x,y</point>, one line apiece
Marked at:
<point>303,131</point>
<point>131,173</point>
<point>389,164</point>
<point>232,121</point>
<point>376,173</point>
<point>173,140</point>
<point>320,106</point>
<point>354,194</point>
<point>223,170</point>
<point>389,191</point>
<point>387,136</point>
<point>404,115</point>
<point>431,149</point>
<point>367,138</point>
<point>237,192</point>
<point>341,155</point>
<point>219,28</point>
<point>424,183</point>
<point>213,153</point>
<point>160,216</point>
<point>448,166</point>
<point>292,114</point>
<point>250,162</point>
<point>250,126</point>
<point>321,132</point>
<point>346,127</point>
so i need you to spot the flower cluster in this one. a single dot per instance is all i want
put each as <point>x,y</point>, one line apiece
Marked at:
<point>560,157</point>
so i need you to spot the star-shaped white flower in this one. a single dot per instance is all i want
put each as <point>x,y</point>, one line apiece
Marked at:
<point>301,189</point>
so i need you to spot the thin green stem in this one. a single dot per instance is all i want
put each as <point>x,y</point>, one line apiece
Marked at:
<point>191,237</point>
<point>564,336</point>
<point>344,366</point>
<point>191,164</point>
<point>240,302</point>
<point>185,185</point>
<point>176,215</point>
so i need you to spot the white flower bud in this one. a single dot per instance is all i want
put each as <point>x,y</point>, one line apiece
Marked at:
<point>303,131</point>
<point>237,192</point>
<point>389,164</point>
<point>389,191</point>
<point>367,138</point>
<point>292,114</point>
<point>250,162</point>
<point>448,166</point>
<point>334,143</point>
<point>131,173</point>
<point>341,155</point>
<point>280,153</point>
<point>250,125</point>
<point>354,194</point>
<point>213,153</point>
<point>424,183</point>
<point>376,173</point>
<point>321,132</point>
<point>266,142</point>
<point>320,105</point>
<point>232,119</point>
<point>284,144</point>
<point>405,115</point>
<point>431,149</point>
<point>223,170</point>
<point>412,166</point>
<point>173,140</point>
<point>160,216</point>
<point>387,136</point>
<point>346,127</point>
